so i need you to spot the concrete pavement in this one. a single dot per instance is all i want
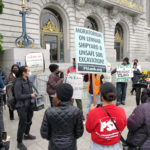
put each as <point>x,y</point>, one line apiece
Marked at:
<point>41,144</point>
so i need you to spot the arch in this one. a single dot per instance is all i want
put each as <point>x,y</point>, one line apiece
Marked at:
<point>65,19</point>
<point>94,13</point>
<point>124,21</point>
<point>99,21</point>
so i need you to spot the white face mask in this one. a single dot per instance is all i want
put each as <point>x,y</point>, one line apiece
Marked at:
<point>30,74</point>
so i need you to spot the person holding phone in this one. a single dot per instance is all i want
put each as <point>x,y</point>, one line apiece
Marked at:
<point>24,94</point>
<point>55,79</point>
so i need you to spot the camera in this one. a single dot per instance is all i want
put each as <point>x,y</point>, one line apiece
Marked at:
<point>60,74</point>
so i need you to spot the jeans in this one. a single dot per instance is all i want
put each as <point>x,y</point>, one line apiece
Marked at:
<point>90,101</point>
<point>94,146</point>
<point>25,122</point>
<point>121,92</point>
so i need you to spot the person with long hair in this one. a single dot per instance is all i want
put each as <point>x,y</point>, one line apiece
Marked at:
<point>104,134</point>
<point>12,77</point>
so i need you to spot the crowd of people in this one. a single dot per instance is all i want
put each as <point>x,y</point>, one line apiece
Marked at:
<point>63,124</point>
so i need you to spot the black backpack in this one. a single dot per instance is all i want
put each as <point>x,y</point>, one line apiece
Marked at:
<point>11,101</point>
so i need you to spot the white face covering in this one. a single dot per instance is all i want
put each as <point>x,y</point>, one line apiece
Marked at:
<point>30,74</point>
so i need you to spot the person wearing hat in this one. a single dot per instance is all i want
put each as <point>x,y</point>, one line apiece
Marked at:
<point>56,78</point>
<point>62,125</point>
<point>121,86</point>
<point>72,69</point>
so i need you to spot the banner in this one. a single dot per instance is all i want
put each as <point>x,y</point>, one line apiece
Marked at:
<point>124,73</point>
<point>90,51</point>
<point>76,80</point>
<point>35,61</point>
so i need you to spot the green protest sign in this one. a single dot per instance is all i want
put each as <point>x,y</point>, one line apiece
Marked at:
<point>124,73</point>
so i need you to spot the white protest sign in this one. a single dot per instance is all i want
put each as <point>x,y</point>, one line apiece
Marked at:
<point>124,73</point>
<point>35,61</point>
<point>76,80</point>
<point>90,51</point>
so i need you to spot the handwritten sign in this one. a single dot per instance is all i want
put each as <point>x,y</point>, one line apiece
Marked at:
<point>90,52</point>
<point>124,73</point>
<point>35,61</point>
<point>76,80</point>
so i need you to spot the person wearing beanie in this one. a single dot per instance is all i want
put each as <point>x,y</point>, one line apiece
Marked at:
<point>121,86</point>
<point>56,78</point>
<point>62,124</point>
<point>104,135</point>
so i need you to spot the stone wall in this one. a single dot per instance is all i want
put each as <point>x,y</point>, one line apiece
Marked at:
<point>74,14</point>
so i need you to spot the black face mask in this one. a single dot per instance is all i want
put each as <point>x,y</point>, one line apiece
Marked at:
<point>15,72</point>
<point>57,73</point>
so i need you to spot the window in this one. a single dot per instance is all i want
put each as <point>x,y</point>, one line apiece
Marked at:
<point>119,42</point>
<point>91,23</point>
<point>52,34</point>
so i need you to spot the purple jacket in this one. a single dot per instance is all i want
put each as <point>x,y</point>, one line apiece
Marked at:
<point>139,126</point>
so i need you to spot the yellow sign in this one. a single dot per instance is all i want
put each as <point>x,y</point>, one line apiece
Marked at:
<point>147,73</point>
<point>130,4</point>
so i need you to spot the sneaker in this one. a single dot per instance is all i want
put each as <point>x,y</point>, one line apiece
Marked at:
<point>21,146</point>
<point>29,137</point>
<point>123,103</point>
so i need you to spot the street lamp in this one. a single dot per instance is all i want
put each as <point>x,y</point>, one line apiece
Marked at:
<point>24,41</point>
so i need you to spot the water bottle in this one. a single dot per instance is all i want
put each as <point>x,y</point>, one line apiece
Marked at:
<point>34,99</point>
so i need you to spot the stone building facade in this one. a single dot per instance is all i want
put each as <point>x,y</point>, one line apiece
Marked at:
<point>124,23</point>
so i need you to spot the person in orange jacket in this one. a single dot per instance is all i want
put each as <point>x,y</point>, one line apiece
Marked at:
<point>98,82</point>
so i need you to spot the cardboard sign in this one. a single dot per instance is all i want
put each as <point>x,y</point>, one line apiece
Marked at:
<point>90,51</point>
<point>76,80</point>
<point>35,61</point>
<point>124,73</point>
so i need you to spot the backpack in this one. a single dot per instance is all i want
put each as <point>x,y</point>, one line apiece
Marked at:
<point>11,101</point>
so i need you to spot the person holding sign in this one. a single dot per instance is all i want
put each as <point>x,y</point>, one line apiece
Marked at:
<point>98,82</point>
<point>72,69</point>
<point>121,86</point>
<point>55,79</point>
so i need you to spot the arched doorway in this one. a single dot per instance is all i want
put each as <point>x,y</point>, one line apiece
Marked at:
<point>119,42</point>
<point>91,23</point>
<point>52,34</point>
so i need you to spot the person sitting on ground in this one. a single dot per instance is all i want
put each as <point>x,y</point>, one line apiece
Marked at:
<point>104,134</point>
<point>55,79</point>
<point>62,125</point>
<point>138,124</point>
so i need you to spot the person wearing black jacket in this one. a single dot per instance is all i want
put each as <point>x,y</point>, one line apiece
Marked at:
<point>136,77</point>
<point>62,125</point>
<point>23,94</point>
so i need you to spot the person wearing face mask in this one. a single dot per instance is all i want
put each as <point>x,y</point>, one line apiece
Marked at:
<point>14,72</point>
<point>55,79</point>
<point>12,77</point>
<point>24,94</point>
